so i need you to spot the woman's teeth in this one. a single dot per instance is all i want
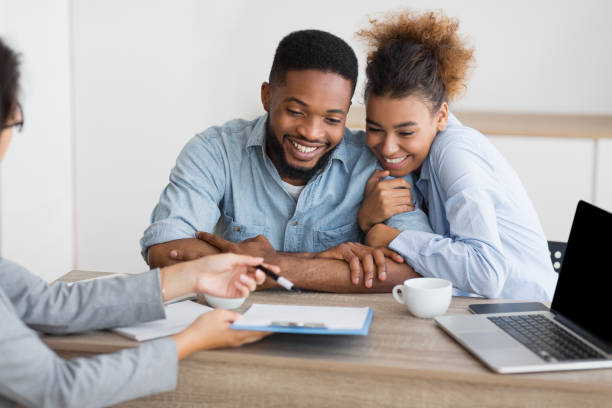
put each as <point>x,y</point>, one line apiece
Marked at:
<point>303,149</point>
<point>395,161</point>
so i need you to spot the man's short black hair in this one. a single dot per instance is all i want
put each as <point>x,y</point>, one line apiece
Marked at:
<point>314,49</point>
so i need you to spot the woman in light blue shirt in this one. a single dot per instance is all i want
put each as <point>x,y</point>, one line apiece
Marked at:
<point>486,237</point>
<point>31,374</point>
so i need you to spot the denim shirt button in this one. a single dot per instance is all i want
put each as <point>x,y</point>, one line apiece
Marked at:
<point>294,223</point>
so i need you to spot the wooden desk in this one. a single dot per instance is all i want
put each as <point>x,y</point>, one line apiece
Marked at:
<point>404,361</point>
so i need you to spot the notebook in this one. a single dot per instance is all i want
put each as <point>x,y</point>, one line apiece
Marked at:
<point>178,317</point>
<point>575,333</point>
<point>306,319</point>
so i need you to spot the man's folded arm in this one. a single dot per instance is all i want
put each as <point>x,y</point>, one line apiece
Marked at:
<point>160,255</point>
<point>332,275</point>
<point>309,271</point>
<point>189,202</point>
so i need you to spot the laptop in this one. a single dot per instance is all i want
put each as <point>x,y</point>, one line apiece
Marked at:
<point>575,334</point>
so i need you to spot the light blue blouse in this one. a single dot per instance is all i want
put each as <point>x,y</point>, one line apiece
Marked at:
<point>487,238</point>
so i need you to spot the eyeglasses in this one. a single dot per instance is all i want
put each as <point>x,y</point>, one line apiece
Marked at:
<point>18,125</point>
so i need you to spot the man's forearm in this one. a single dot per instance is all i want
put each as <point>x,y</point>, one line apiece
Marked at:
<point>189,248</point>
<point>331,275</point>
<point>308,270</point>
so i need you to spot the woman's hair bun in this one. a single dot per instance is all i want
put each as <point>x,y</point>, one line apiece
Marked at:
<point>426,42</point>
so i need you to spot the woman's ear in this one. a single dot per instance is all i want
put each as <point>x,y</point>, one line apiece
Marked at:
<point>265,96</point>
<point>442,117</point>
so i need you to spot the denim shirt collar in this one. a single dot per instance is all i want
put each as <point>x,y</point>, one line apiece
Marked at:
<point>258,134</point>
<point>258,138</point>
<point>340,153</point>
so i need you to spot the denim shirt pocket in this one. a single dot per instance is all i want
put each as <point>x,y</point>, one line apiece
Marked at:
<point>236,232</point>
<point>325,239</point>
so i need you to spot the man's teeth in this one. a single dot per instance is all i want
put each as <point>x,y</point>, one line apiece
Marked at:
<point>395,161</point>
<point>303,149</point>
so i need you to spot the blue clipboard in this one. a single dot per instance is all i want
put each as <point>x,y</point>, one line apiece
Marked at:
<point>309,327</point>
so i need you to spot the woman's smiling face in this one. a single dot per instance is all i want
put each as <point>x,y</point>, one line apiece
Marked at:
<point>400,131</point>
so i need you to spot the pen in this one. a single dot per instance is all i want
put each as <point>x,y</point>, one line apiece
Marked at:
<point>285,283</point>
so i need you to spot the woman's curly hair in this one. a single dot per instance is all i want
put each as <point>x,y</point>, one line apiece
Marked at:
<point>416,53</point>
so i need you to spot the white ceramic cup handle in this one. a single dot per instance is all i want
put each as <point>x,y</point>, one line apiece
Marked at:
<point>396,293</point>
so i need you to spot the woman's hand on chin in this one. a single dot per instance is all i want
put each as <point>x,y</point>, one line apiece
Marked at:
<point>383,199</point>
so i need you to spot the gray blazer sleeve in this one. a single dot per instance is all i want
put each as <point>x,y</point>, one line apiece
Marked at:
<point>98,304</point>
<point>31,374</point>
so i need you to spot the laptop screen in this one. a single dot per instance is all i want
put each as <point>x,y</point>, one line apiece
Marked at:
<point>584,289</point>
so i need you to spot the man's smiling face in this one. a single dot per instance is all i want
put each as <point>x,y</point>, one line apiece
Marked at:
<point>307,113</point>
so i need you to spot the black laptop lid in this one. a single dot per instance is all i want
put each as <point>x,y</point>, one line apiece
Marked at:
<point>584,290</point>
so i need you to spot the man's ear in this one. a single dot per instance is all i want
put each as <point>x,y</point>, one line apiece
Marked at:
<point>265,96</point>
<point>442,117</point>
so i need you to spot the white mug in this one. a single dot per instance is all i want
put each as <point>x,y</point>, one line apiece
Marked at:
<point>424,297</point>
<point>223,303</point>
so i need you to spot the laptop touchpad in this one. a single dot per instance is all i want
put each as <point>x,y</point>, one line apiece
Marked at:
<point>488,340</point>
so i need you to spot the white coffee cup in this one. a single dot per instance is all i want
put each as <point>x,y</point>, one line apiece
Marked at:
<point>223,303</point>
<point>424,297</point>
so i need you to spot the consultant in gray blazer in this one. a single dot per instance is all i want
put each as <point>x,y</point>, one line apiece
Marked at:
<point>31,374</point>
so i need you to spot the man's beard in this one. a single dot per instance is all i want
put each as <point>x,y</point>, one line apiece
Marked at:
<point>285,170</point>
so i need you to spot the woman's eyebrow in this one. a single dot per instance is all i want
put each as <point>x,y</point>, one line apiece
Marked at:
<point>409,123</point>
<point>371,122</point>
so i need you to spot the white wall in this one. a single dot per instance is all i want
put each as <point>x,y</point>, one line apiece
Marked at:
<point>540,56</point>
<point>149,75</point>
<point>36,197</point>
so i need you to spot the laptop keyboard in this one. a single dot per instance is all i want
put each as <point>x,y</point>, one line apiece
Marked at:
<point>545,338</point>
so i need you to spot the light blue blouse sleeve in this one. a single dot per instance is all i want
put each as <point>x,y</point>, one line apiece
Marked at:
<point>61,308</point>
<point>471,256</point>
<point>32,375</point>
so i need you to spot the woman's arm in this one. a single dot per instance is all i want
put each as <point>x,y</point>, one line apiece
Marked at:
<point>124,300</point>
<point>33,375</point>
<point>64,308</point>
<point>471,256</point>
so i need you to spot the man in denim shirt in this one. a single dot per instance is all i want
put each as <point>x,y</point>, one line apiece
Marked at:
<point>293,178</point>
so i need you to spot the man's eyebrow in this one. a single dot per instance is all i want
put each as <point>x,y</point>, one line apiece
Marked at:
<point>296,100</point>
<point>304,104</point>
